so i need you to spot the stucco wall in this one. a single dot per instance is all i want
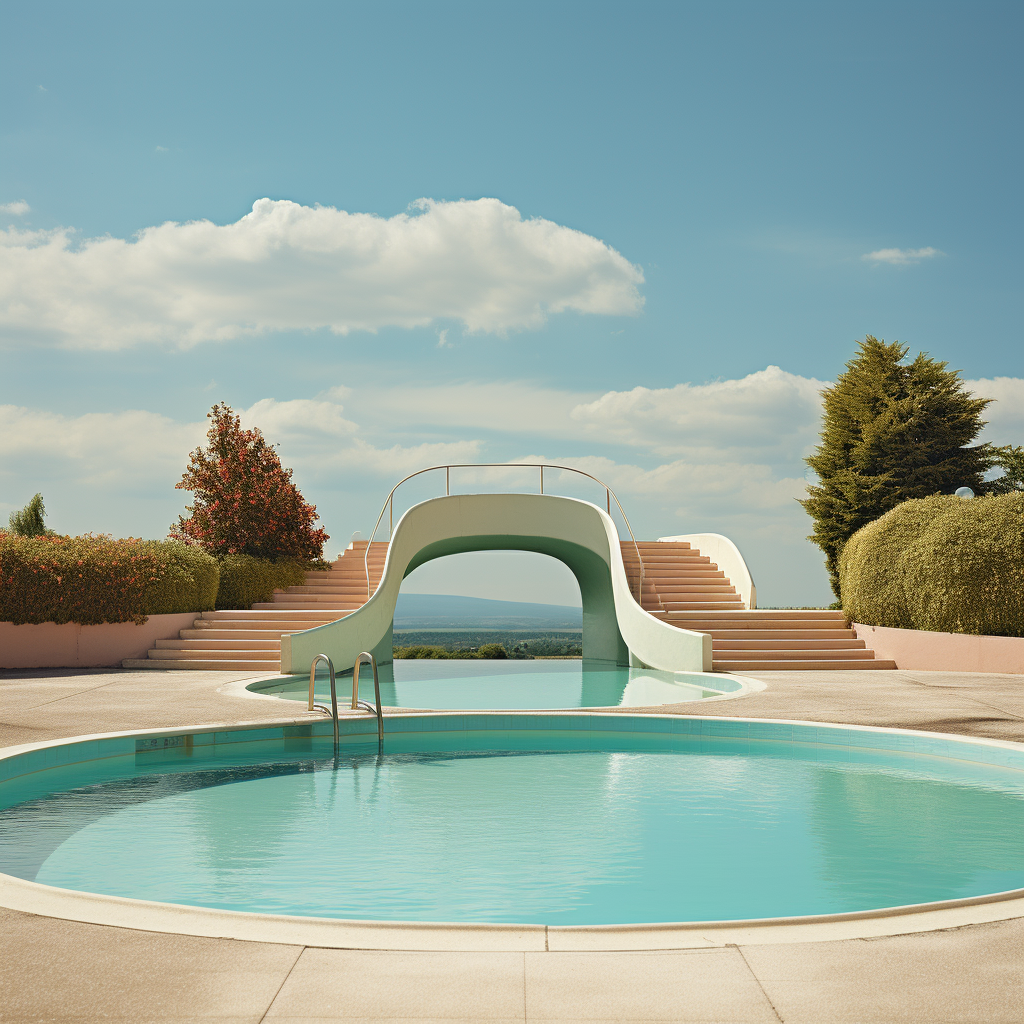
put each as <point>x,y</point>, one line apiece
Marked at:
<point>70,645</point>
<point>952,652</point>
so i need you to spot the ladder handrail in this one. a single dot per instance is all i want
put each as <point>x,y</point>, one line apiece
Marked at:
<point>333,709</point>
<point>389,503</point>
<point>366,658</point>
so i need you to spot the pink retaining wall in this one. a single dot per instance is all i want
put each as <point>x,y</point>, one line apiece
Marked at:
<point>952,652</point>
<point>70,645</point>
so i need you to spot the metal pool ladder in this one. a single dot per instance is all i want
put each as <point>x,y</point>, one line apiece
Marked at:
<point>364,658</point>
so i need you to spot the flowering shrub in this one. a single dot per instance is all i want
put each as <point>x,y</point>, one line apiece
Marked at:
<point>245,502</point>
<point>99,579</point>
<point>244,580</point>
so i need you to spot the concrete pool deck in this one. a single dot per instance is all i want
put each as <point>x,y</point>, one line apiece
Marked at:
<point>57,970</point>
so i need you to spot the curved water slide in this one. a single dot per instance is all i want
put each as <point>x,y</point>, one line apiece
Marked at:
<point>582,535</point>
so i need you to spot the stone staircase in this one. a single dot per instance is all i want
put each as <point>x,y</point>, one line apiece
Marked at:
<point>681,587</point>
<point>686,589</point>
<point>249,640</point>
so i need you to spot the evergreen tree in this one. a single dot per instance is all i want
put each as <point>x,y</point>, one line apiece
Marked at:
<point>29,522</point>
<point>1010,460</point>
<point>892,430</point>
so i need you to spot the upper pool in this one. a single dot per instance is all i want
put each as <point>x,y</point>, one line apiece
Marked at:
<point>451,684</point>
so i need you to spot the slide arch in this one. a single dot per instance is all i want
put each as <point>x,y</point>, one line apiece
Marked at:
<point>581,535</point>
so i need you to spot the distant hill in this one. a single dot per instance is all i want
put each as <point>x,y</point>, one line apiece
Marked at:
<point>444,611</point>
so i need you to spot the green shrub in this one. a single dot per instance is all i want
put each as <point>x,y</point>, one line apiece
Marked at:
<point>189,583</point>
<point>942,563</point>
<point>424,651</point>
<point>245,580</point>
<point>91,579</point>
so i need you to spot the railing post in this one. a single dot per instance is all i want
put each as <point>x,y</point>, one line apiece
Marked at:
<point>391,514</point>
<point>541,479</point>
<point>447,480</point>
<point>608,495</point>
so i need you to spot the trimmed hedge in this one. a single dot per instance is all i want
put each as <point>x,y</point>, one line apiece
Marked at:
<point>945,564</point>
<point>245,580</point>
<point>423,651</point>
<point>92,579</point>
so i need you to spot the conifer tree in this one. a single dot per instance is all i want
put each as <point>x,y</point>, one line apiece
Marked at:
<point>892,430</point>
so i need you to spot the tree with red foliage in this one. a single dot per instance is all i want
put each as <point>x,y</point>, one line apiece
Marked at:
<point>245,502</point>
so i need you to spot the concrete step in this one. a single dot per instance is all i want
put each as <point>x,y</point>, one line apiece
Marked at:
<point>276,625</point>
<point>219,644</point>
<point>764,653</point>
<point>357,589</point>
<point>782,635</point>
<point>285,602</point>
<point>273,612</point>
<point>685,620</point>
<point>789,644</point>
<point>794,613</point>
<point>261,657</point>
<point>741,667</point>
<point>706,602</point>
<point>200,665</point>
<point>235,634</point>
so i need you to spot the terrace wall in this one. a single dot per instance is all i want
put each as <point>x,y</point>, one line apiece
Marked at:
<point>70,645</point>
<point>950,652</point>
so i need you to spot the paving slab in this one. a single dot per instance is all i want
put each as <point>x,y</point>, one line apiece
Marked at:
<point>339,984</point>
<point>973,975</point>
<point>692,986</point>
<point>57,970</point>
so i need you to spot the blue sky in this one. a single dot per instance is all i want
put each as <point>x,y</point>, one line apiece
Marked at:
<point>691,195</point>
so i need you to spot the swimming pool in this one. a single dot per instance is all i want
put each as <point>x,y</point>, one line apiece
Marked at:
<point>453,684</point>
<point>572,819</point>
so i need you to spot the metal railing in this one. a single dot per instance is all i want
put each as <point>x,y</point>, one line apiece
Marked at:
<point>364,658</point>
<point>333,709</point>
<point>389,505</point>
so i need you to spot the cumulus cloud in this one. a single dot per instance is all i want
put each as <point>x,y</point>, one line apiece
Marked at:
<point>1005,415</point>
<point>771,412</point>
<point>290,267</point>
<point>901,257</point>
<point>15,209</point>
<point>124,450</point>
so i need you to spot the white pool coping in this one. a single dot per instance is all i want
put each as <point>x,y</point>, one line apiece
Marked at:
<point>121,912</point>
<point>748,685</point>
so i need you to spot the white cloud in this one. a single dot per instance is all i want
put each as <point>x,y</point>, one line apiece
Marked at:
<point>901,257</point>
<point>772,413</point>
<point>510,407</point>
<point>16,209</point>
<point>290,267</point>
<point>1005,415</point>
<point>97,450</point>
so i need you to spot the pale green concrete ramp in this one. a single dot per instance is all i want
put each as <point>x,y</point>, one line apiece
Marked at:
<point>615,628</point>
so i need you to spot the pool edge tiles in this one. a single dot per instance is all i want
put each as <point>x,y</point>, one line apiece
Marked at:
<point>25,759</point>
<point>33,897</point>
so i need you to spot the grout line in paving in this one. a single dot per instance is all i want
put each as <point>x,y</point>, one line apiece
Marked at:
<point>288,974</point>
<point>524,973</point>
<point>66,696</point>
<point>767,998</point>
<point>994,707</point>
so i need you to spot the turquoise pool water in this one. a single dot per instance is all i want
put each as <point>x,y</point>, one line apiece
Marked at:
<point>510,685</point>
<point>558,823</point>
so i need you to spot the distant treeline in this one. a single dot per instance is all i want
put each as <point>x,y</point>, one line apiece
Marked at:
<point>489,644</point>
